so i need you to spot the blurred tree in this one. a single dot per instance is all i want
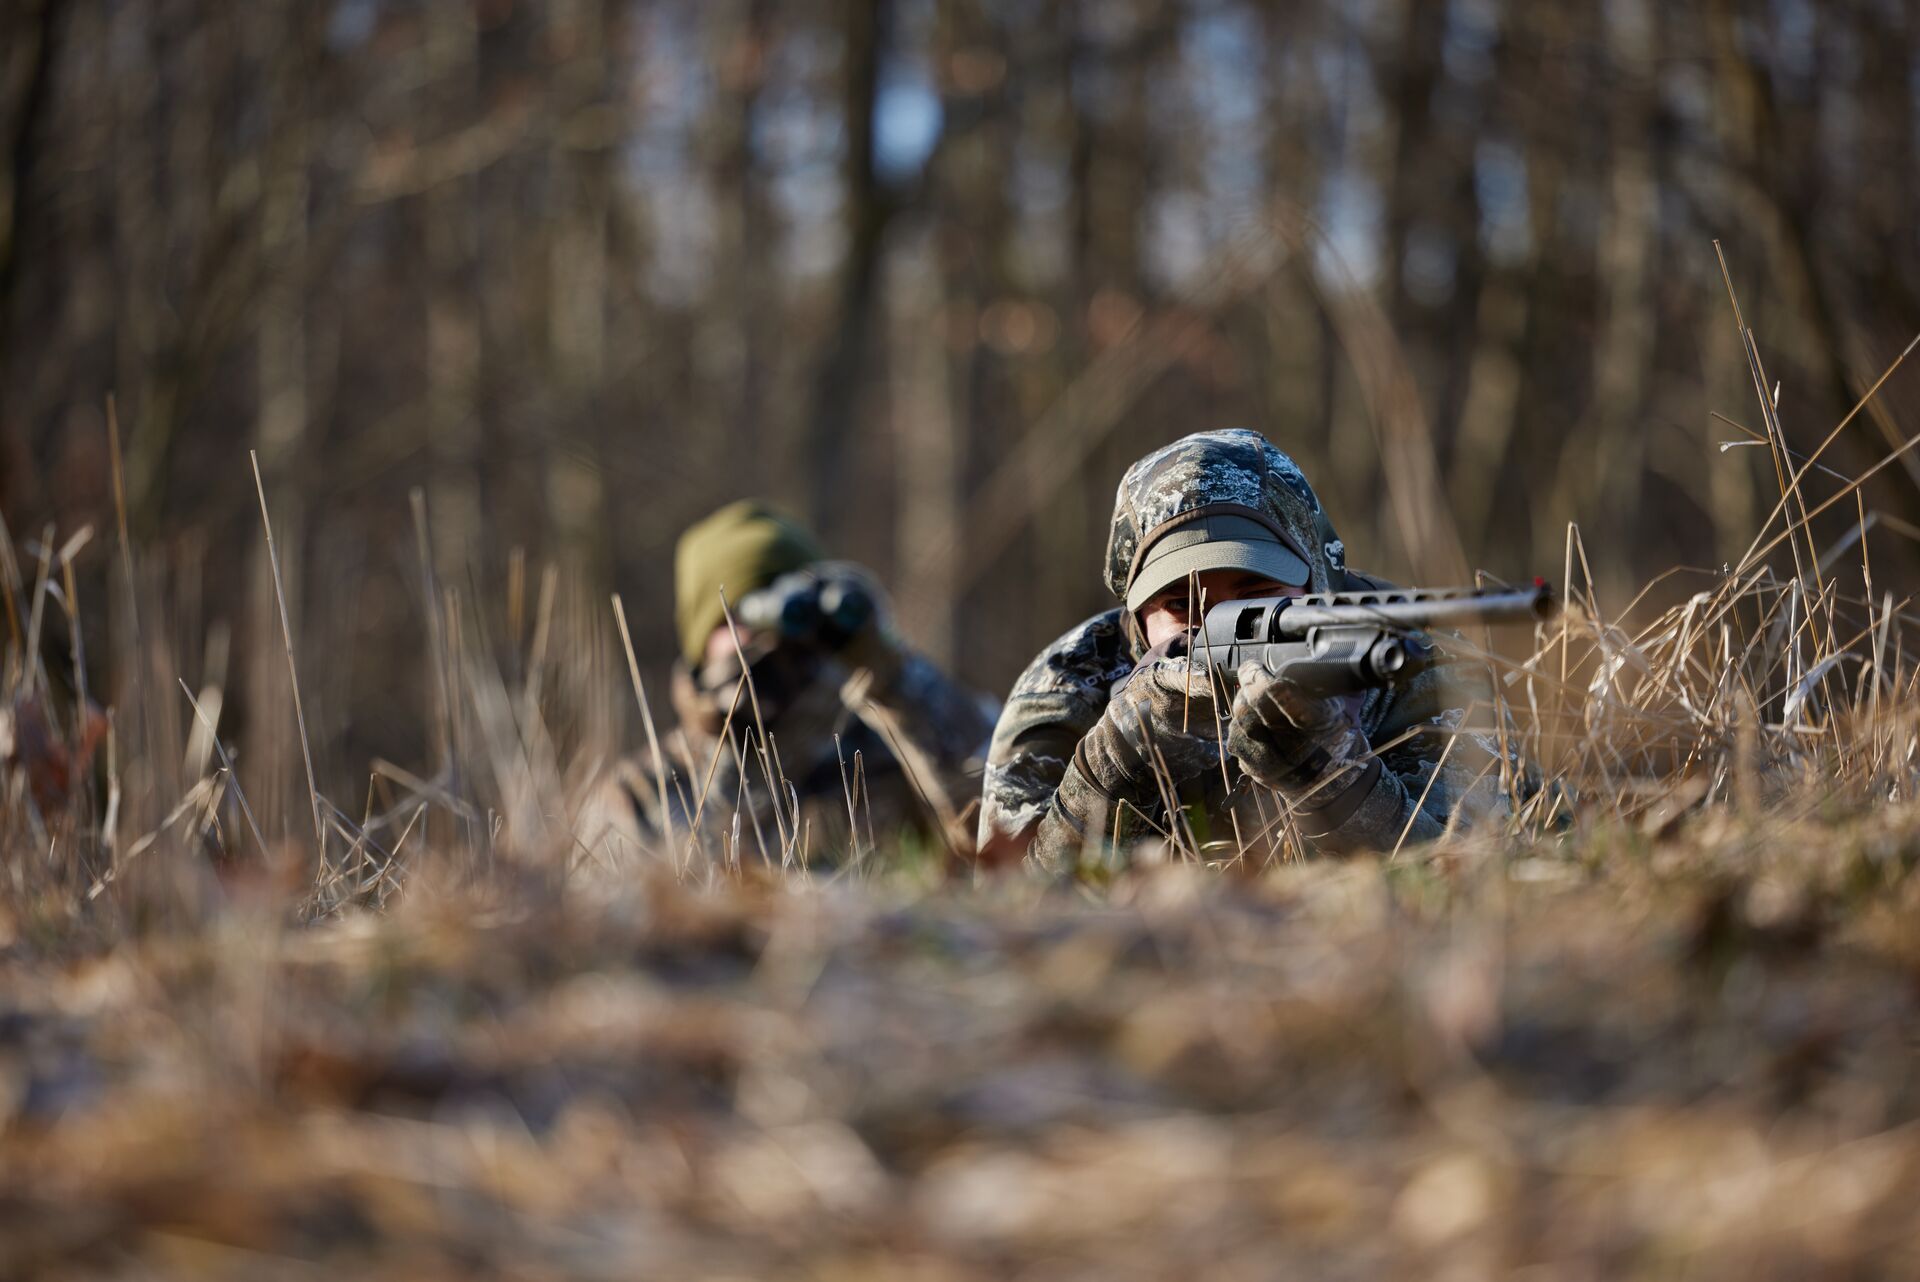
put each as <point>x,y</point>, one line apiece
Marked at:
<point>931,271</point>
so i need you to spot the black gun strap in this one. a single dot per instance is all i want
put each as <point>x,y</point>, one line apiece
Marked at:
<point>1322,820</point>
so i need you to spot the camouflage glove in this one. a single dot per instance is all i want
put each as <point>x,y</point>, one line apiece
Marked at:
<point>1157,731</point>
<point>1306,747</point>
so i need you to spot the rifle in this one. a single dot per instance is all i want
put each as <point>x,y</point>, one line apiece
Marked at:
<point>1346,642</point>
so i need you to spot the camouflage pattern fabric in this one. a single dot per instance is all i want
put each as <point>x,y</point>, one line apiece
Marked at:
<point>1055,702</point>
<point>1422,786</point>
<point>1235,469</point>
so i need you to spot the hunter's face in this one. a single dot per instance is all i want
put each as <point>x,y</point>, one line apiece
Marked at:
<point>720,644</point>
<point>1179,607</point>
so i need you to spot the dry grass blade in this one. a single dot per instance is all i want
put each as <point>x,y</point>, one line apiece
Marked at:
<point>196,796</point>
<point>226,764</point>
<point>763,750</point>
<point>36,614</point>
<point>658,758</point>
<point>293,674</point>
<point>119,477</point>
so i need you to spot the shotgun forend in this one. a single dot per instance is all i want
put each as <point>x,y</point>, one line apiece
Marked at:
<point>1345,642</point>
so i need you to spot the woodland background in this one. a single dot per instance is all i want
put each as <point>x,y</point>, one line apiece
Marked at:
<point>929,271</point>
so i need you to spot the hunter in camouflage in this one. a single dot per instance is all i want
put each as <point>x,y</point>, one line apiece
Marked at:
<point>843,740</point>
<point>1109,738</point>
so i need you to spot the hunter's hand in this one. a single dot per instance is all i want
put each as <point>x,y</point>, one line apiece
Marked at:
<point>1306,747</point>
<point>857,620</point>
<point>834,608</point>
<point>1158,729</point>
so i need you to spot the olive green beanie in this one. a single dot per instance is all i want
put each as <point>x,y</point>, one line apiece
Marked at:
<point>743,547</point>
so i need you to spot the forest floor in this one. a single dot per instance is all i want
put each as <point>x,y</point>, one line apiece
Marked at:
<point>1681,1047</point>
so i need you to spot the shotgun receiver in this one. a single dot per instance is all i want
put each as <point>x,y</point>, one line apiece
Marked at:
<point>1346,642</point>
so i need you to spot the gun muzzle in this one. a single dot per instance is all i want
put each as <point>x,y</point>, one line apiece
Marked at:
<point>1386,657</point>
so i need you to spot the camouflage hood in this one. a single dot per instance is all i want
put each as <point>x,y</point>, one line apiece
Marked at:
<point>1234,471</point>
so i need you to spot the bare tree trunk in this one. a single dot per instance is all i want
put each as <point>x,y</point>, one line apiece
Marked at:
<point>833,422</point>
<point>453,323</point>
<point>1415,72</point>
<point>1769,164</point>
<point>967,183</point>
<point>1624,355</point>
<point>38,28</point>
<point>577,268</point>
<point>729,340</point>
<point>275,47</point>
<point>1112,164</point>
<point>928,460</point>
<point>1489,417</point>
<point>146,387</point>
<point>1061,574</point>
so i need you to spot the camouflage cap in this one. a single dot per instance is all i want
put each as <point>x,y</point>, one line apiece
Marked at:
<point>1234,472</point>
